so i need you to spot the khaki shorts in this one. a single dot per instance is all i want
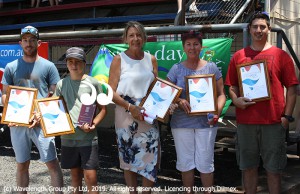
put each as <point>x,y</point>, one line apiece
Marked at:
<point>265,141</point>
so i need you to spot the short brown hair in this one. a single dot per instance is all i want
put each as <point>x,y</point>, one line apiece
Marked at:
<point>191,34</point>
<point>259,15</point>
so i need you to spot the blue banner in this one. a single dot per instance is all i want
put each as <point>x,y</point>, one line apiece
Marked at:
<point>9,53</point>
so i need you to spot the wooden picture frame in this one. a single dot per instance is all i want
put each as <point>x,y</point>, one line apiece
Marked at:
<point>201,93</point>
<point>55,119</point>
<point>161,94</point>
<point>254,82</point>
<point>19,105</point>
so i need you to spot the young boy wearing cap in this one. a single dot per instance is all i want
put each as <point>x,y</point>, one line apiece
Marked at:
<point>32,71</point>
<point>79,151</point>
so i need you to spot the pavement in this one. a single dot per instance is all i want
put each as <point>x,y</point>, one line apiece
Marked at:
<point>291,176</point>
<point>227,174</point>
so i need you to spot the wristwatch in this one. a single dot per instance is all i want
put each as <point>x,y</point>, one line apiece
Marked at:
<point>290,118</point>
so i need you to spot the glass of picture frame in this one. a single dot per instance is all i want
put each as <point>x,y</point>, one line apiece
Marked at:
<point>201,93</point>
<point>55,119</point>
<point>161,94</point>
<point>19,105</point>
<point>254,81</point>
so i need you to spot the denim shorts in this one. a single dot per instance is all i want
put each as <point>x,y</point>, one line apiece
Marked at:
<point>265,141</point>
<point>22,138</point>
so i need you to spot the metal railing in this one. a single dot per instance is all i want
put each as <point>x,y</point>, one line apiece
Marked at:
<point>200,12</point>
<point>172,31</point>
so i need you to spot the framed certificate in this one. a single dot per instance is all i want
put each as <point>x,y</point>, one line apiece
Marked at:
<point>160,96</point>
<point>201,93</point>
<point>254,80</point>
<point>18,106</point>
<point>55,117</point>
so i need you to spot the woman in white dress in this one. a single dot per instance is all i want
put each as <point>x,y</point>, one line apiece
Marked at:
<point>131,74</point>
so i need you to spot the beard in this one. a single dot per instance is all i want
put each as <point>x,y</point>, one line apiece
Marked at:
<point>30,52</point>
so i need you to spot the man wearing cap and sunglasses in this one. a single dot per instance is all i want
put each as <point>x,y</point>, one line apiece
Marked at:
<point>32,71</point>
<point>261,125</point>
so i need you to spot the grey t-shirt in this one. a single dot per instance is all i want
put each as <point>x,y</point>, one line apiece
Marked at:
<point>177,76</point>
<point>39,74</point>
<point>71,90</point>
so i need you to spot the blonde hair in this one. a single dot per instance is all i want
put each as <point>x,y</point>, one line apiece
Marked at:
<point>140,28</point>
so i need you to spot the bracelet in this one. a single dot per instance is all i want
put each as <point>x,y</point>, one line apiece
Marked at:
<point>128,109</point>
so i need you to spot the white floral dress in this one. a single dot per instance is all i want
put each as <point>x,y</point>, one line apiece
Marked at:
<point>138,142</point>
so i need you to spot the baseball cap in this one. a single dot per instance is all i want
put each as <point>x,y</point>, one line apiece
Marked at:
<point>30,30</point>
<point>77,53</point>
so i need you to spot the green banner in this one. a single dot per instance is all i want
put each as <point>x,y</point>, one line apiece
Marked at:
<point>167,54</point>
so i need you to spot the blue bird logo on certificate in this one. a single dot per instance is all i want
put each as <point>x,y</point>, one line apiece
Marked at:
<point>54,115</point>
<point>156,98</point>
<point>18,105</point>
<point>51,117</point>
<point>200,93</point>
<point>55,119</point>
<point>252,75</point>
<point>254,81</point>
<point>200,89</point>
<point>159,98</point>
<point>197,95</point>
